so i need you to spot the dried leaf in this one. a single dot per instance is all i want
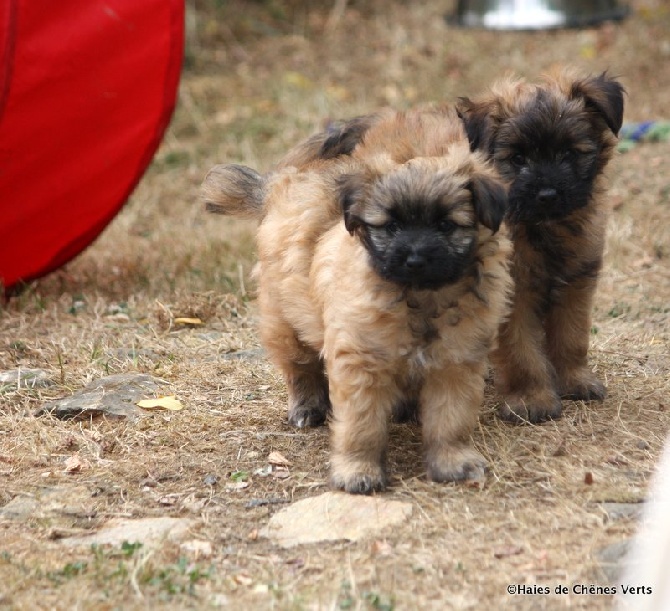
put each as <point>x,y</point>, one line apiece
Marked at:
<point>74,464</point>
<point>243,579</point>
<point>507,550</point>
<point>169,402</point>
<point>381,548</point>
<point>281,473</point>
<point>616,460</point>
<point>278,459</point>
<point>197,547</point>
<point>237,486</point>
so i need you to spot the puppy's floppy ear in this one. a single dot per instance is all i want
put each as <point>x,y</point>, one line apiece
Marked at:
<point>604,95</point>
<point>352,191</point>
<point>477,122</point>
<point>489,199</point>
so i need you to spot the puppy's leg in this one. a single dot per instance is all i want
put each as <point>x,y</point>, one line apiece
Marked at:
<point>362,397</point>
<point>307,392</point>
<point>450,401</point>
<point>568,328</point>
<point>303,369</point>
<point>523,375</point>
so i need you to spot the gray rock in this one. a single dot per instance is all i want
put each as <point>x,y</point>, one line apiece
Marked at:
<point>613,559</point>
<point>334,516</point>
<point>619,511</point>
<point>148,531</point>
<point>25,378</point>
<point>47,503</point>
<point>253,354</point>
<point>114,396</point>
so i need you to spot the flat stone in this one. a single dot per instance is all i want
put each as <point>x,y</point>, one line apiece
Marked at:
<point>148,531</point>
<point>253,354</point>
<point>114,396</point>
<point>47,503</point>
<point>25,378</point>
<point>613,559</point>
<point>619,511</point>
<point>334,516</point>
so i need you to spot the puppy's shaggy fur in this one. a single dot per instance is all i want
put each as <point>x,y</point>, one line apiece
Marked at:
<point>382,282</point>
<point>551,142</point>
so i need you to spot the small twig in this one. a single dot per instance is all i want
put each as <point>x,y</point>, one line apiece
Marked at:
<point>240,273</point>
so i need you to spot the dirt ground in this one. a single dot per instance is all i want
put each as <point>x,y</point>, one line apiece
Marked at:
<point>258,77</point>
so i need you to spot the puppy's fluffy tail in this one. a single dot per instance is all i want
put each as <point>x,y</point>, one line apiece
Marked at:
<point>233,189</point>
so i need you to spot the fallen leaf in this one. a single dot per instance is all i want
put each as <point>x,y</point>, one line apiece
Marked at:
<point>507,550</point>
<point>381,548</point>
<point>281,473</point>
<point>295,563</point>
<point>74,464</point>
<point>187,321</point>
<point>276,458</point>
<point>237,486</point>
<point>242,579</point>
<point>197,547</point>
<point>169,402</point>
<point>617,461</point>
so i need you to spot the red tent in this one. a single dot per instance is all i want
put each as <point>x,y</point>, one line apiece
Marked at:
<point>87,88</point>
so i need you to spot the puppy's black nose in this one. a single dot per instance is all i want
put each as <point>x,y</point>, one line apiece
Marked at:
<point>547,196</point>
<point>415,261</point>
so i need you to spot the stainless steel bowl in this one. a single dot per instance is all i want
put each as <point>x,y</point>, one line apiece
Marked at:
<point>536,14</point>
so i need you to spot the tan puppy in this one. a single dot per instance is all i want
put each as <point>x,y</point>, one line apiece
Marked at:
<point>551,143</point>
<point>382,282</point>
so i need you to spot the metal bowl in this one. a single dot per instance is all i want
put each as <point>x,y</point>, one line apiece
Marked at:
<point>536,14</point>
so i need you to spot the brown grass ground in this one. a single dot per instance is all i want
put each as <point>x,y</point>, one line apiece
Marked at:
<point>259,77</point>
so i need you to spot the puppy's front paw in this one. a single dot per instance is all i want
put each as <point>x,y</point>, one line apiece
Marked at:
<point>358,478</point>
<point>531,408</point>
<point>451,464</point>
<point>584,386</point>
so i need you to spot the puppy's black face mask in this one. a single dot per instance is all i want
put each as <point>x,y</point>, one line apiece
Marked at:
<point>419,228</point>
<point>550,150</point>
<point>421,253</point>
<point>550,155</point>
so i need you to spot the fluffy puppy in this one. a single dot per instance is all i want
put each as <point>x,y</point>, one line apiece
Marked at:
<point>551,143</point>
<point>382,280</point>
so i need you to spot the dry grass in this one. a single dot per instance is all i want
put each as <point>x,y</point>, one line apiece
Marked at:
<point>259,77</point>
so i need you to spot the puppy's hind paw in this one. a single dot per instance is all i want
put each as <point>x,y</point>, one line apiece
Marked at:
<point>456,465</point>
<point>530,409</point>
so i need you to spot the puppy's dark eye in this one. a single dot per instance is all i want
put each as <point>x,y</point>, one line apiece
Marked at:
<point>518,160</point>
<point>392,227</point>
<point>569,155</point>
<point>446,226</point>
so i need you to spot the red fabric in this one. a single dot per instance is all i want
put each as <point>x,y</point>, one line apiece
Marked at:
<point>87,88</point>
